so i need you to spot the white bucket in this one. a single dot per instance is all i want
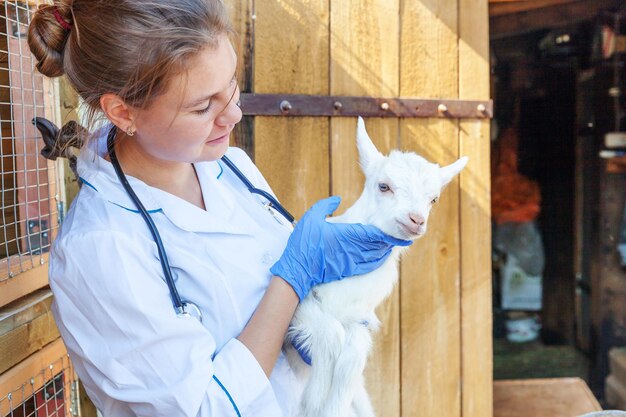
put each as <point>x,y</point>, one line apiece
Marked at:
<point>523,329</point>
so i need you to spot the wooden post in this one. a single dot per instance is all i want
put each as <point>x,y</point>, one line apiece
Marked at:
<point>364,62</point>
<point>430,279</point>
<point>242,12</point>
<point>475,200</point>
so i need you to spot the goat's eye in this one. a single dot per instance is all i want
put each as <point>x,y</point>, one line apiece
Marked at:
<point>383,187</point>
<point>434,200</point>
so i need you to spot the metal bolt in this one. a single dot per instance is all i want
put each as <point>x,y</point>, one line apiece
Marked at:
<point>51,366</point>
<point>442,108</point>
<point>56,197</point>
<point>285,106</point>
<point>384,106</point>
<point>337,105</point>
<point>481,108</point>
<point>10,396</point>
<point>253,17</point>
<point>42,261</point>
<point>32,381</point>
<point>11,274</point>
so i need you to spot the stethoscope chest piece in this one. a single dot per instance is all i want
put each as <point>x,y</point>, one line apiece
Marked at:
<point>190,310</point>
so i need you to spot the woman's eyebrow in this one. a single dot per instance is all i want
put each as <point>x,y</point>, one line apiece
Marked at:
<point>205,98</point>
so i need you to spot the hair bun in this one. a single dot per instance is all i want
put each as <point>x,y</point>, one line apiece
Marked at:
<point>47,38</point>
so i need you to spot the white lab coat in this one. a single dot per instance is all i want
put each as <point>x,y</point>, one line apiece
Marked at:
<point>114,311</point>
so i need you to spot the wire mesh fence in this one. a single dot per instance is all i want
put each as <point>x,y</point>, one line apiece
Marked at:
<point>28,197</point>
<point>50,392</point>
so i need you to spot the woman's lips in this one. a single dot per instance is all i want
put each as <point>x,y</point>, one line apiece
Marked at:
<point>219,140</point>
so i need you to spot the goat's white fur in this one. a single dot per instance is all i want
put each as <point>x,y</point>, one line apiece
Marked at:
<point>336,320</point>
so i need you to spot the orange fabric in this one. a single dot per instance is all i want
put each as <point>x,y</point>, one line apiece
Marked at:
<point>514,198</point>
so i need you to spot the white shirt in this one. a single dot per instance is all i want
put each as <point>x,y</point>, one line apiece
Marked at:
<point>114,311</point>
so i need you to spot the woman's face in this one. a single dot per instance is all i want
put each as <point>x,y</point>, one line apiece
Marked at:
<point>192,121</point>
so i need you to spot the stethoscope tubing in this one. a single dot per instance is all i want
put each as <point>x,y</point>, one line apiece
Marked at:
<point>167,270</point>
<point>178,303</point>
<point>275,204</point>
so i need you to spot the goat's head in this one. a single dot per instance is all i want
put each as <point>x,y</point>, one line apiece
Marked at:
<point>401,188</point>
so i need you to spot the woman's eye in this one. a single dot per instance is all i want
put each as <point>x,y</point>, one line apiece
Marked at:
<point>383,187</point>
<point>205,110</point>
<point>434,200</point>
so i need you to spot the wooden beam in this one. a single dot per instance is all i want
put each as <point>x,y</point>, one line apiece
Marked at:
<point>27,339</point>
<point>24,310</point>
<point>499,9</point>
<point>241,13</point>
<point>475,216</point>
<point>370,31</point>
<point>293,153</point>
<point>24,283</point>
<point>547,17</point>
<point>430,309</point>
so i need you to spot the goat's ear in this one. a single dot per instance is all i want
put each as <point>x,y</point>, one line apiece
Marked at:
<point>450,171</point>
<point>368,153</point>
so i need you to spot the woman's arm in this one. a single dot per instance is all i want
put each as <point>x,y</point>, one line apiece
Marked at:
<point>265,332</point>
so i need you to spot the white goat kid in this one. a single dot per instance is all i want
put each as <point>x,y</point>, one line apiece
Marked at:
<point>335,321</point>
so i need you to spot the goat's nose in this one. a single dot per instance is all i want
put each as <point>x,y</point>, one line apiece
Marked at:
<point>418,219</point>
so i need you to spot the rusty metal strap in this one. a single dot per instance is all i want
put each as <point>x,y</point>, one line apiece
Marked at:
<point>337,106</point>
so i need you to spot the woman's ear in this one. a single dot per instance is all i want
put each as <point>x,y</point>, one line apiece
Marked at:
<point>117,111</point>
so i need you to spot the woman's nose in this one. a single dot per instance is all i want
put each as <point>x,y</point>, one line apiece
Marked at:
<point>231,114</point>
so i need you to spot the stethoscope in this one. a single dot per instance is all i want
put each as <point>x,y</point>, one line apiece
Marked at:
<point>184,308</point>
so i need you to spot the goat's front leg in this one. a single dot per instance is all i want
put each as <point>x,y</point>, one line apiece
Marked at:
<point>348,371</point>
<point>326,338</point>
<point>361,403</point>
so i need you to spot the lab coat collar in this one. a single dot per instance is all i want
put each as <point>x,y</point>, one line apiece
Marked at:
<point>98,173</point>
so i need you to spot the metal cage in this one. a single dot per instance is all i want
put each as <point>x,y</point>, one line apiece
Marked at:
<point>45,385</point>
<point>29,202</point>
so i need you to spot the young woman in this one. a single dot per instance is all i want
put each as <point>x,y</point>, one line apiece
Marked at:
<point>162,73</point>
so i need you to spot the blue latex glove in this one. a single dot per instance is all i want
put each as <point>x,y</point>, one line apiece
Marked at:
<point>319,252</point>
<point>302,351</point>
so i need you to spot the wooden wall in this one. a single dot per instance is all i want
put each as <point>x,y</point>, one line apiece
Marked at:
<point>433,355</point>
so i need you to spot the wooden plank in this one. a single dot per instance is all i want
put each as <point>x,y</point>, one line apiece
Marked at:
<point>54,169</point>
<point>241,12</point>
<point>547,17</point>
<point>28,338</point>
<point>543,398</point>
<point>502,8</point>
<point>364,62</point>
<point>475,201</point>
<point>429,280</point>
<point>24,310</point>
<point>293,154</point>
<point>24,283</point>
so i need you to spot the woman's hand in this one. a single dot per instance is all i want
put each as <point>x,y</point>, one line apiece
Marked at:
<point>319,252</point>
